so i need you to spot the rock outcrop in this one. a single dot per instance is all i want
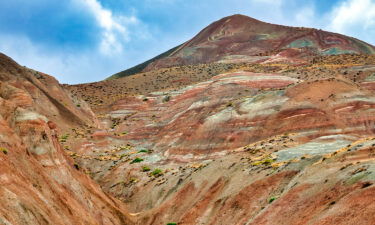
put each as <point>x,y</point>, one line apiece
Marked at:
<point>243,148</point>
<point>39,183</point>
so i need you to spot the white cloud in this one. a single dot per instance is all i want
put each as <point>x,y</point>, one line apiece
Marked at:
<point>114,27</point>
<point>354,17</point>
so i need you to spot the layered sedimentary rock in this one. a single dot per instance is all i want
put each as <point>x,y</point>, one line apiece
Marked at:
<point>39,183</point>
<point>241,148</point>
<point>277,130</point>
<point>240,38</point>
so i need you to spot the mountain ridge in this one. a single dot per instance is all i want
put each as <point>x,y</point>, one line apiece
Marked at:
<point>253,45</point>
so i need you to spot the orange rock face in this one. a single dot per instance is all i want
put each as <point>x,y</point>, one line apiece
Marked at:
<point>39,184</point>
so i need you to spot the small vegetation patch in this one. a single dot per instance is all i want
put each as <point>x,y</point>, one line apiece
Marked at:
<point>143,151</point>
<point>266,162</point>
<point>122,156</point>
<point>272,199</point>
<point>115,122</point>
<point>157,172</point>
<point>145,169</point>
<point>136,160</point>
<point>166,98</point>
<point>64,138</point>
<point>171,223</point>
<point>4,150</point>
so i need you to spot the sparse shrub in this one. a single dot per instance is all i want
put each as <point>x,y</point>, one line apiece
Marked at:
<point>157,172</point>
<point>145,169</point>
<point>266,162</point>
<point>63,138</point>
<point>4,150</point>
<point>136,160</point>
<point>166,98</point>
<point>122,156</point>
<point>78,105</point>
<point>272,199</point>
<point>171,223</point>
<point>143,151</point>
<point>133,180</point>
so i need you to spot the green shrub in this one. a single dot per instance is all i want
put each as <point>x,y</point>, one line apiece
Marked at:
<point>146,169</point>
<point>171,223</point>
<point>272,199</point>
<point>266,162</point>
<point>78,105</point>
<point>4,150</point>
<point>143,151</point>
<point>136,160</point>
<point>157,172</point>
<point>63,138</point>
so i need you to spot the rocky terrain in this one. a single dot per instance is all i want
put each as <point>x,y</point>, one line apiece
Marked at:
<point>199,136</point>
<point>39,183</point>
<point>292,147</point>
<point>240,38</point>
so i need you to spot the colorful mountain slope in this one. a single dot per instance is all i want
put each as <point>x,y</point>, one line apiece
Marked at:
<point>289,147</point>
<point>39,183</point>
<point>239,38</point>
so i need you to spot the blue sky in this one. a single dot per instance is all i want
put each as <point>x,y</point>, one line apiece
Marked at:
<point>81,41</point>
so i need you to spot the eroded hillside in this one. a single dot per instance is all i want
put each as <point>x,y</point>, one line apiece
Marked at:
<point>255,144</point>
<point>39,183</point>
<point>240,38</point>
<point>247,123</point>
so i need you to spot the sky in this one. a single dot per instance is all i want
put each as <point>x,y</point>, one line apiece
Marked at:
<point>80,41</point>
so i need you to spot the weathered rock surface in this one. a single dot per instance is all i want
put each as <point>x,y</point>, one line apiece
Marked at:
<point>240,38</point>
<point>243,148</point>
<point>39,183</point>
<point>278,130</point>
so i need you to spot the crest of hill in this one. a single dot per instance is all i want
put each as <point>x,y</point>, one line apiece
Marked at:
<point>240,38</point>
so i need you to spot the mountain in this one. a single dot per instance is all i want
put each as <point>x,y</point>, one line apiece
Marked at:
<point>267,135</point>
<point>239,38</point>
<point>281,144</point>
<point>39,182</point>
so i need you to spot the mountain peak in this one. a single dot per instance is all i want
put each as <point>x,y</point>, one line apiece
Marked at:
<point>240,38</point>
<point>240,18</point>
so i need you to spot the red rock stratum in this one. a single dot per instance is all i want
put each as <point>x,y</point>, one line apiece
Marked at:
<point>39,183</point>
<point>247,123</point>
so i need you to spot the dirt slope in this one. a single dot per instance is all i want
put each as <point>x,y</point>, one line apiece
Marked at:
<point>39,183</point>
<point>291,146</point>
<point>240,38</point>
